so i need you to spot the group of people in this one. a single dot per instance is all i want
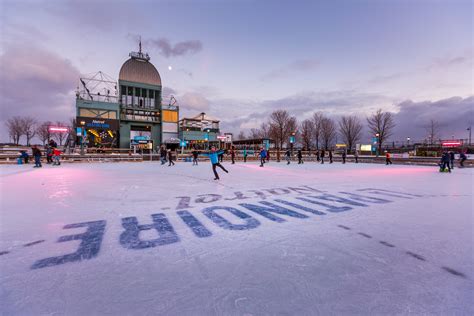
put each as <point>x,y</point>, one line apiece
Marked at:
<point>53,155</point>
<point>447,161</point>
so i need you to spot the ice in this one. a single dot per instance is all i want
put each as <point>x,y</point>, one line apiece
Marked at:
<point>409,251</point>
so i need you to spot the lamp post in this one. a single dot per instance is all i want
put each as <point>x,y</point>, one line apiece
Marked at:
<point>469,129</point>
<point>408,141</point>
<point>292,140</point>
<point>377,151</point>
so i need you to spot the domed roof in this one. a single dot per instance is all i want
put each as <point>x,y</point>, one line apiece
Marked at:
<point>140,71</point>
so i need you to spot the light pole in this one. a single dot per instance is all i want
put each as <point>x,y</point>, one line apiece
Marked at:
<point>377,149</point>
<point>469,129</point>
<point>408,141</point>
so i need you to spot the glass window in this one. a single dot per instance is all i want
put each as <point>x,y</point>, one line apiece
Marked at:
<point>130,91</point>
<point>152,94</point>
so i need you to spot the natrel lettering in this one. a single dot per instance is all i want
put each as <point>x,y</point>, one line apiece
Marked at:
<point>244,216</point>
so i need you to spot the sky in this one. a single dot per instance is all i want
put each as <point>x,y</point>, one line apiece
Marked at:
<point>241,60</point>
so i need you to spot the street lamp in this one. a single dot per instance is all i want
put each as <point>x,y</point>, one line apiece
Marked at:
<point>408,141</point>
<point>377,151</point>
<point>469,129</point>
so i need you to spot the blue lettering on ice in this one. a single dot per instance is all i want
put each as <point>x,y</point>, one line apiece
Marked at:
<point>211,213</point>
<point>301,207</point>
<point>130,238</point>
<point>329,207</point>
<point>334,198</point>
<point>196,226</point>
<point>365,198</point>
<point>265,211</point>
<point>89,247</point>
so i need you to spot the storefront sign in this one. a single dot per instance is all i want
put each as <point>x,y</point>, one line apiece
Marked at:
<point>90,122</point>
<point>365,147</point>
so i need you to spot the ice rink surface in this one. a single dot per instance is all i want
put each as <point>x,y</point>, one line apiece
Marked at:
<point>145,239</point>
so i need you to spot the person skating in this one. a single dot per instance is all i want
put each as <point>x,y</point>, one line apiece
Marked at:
<point>56,157</point>
<point>388,159</point>
<point>462,158</point>
<point>330,156</point>
<point>288,156</point>
<point>300,157</point>
<point>445,162</point>
<point>221,155</point>
<point>49,153</point>
<point>356,156</point>
<point>24,155</point>
<point>170,158</point>
<point>451,159</point>
<point>267,156</point>
<point>232,155</point>
<point>262,155</point>
<point>245,155</point>
<point>317,156</point>
<point>214,157</point>
<point>195,154</point>
<point>323,153</point>
<point>37,156</point>
<point>163,154</point>
<point>344,157</point>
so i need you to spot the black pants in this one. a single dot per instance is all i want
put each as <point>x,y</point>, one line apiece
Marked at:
<point>462,162</point>
<point>233,159</point>
<point>262,161</point>
<point>245,158</point>
<point>330,159</point>
<point>446,164</point>
<point>343,159</point>
<point>357,159</point>
<point>195,161</point>
<point>388,161</point>
<point>451,162</point>
<point>171,162</point>
<point>322,159</point>
<point>300,160</point>
<point>214,165</point>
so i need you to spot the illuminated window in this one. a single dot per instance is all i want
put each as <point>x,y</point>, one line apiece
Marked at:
<point>170,116</point>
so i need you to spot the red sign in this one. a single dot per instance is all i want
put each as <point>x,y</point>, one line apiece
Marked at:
<point>451,143</point>
<point>58,129</point>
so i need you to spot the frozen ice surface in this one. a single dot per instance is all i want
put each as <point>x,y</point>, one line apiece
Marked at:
<point>396,254</point>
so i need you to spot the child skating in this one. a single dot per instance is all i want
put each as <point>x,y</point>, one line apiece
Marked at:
<point>214,157</point>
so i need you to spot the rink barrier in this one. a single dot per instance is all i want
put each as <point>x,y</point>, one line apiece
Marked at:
<point>11,158</point>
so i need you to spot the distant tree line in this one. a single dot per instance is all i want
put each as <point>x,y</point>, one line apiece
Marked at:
<point>29,127</point>
<point>321,131</point>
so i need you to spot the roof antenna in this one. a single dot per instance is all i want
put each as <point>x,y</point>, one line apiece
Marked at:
<point>140,45</point>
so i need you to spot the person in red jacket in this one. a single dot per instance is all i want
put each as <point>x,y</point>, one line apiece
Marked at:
<point>56,157</point>
<point>388,160</point>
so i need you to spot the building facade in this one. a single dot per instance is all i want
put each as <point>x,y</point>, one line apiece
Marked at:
<point>199,131</point>
<point>132,118</point>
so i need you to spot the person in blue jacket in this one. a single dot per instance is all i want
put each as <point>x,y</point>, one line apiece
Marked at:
<point>214,157</point>
<point>263,155</point>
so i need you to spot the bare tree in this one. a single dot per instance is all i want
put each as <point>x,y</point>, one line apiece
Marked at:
<point>433,131</point>
<point>350,129</point>
<point>15,130</point>
<point>241,135</point>
<point>28,124</point>
<point>381,124</point>
<point>255,133</point>
<point>307,133</point>
<point>60,136</point>
<point>317,118</point>
<point>43,132</point>
<point>282,126</point>
<point>328,132</point>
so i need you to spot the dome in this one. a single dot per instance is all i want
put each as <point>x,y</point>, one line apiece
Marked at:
<point>140,71</point>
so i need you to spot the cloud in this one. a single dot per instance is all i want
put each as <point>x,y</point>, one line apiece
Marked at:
<point>36,82</point>
<point>454,115</point>
<point>301,65</point>
<point>167,49</point>
<point>193,103</point>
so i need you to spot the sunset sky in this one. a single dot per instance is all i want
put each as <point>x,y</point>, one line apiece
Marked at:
<point>240,60</point>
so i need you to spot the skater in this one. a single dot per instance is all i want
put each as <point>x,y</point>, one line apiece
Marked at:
<point>330,156</point>
<point>195,154</point>
<point>267,157</point>
<point>445,162</point>
<point>56,157</point>
<point>451,159</point>
<point>170,158</point>
<point>232,155</point>
<point>163,154</point>
<point>344,157</point>
<point>262,154</point>
<point>37,156</point>
<point>462,158</point>
<point>322,156</point>
<point>388,160</point>
<point>49,154</point>
<point>356,156</point>
<point>245,155</point>
<point>24,155</point>
<point>287,156</point>
<point>221,155</point>
<point>317,155</point>
<point>300,157</point>
<point>214,157</point>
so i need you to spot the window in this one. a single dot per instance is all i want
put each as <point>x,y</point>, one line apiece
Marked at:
<point>170,116</point>
<point>130,91</point>
<point>152,94</point>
